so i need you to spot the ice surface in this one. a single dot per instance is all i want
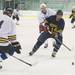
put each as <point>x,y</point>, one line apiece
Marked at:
<point>43,64</point>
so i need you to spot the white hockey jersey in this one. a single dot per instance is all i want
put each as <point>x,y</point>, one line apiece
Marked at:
<point>15,12</point>
<point>7,30</point>
<point>42,16</point>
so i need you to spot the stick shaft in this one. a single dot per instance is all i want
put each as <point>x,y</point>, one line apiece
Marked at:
<point>22,60</point>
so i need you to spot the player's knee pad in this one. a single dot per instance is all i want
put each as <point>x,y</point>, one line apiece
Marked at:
<point>44,36</point>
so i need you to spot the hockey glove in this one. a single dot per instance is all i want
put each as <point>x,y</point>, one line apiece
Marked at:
<point>17,46</point>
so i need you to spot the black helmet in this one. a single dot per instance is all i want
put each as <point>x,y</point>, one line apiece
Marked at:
<point>59,12</point>
<point>8,10</point>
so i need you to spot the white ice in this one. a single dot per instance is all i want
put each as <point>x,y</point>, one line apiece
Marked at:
<point>43,64</point>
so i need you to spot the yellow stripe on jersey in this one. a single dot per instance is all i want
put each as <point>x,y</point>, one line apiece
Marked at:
<point>3,40</point>
<point>12,37</point>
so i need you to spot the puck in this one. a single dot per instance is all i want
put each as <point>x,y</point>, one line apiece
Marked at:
<point>72,63</point>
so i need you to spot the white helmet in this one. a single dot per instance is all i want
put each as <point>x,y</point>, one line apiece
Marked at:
<point>43,5</point>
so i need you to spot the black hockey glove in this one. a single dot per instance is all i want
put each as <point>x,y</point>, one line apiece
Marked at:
<point>17,47</point>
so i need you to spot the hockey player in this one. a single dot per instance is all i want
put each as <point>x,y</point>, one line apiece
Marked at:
<point>8,41</point>
<point>16,14</point>
<point>73,17</point>
<point>55,25</point>
<point>44,13</point>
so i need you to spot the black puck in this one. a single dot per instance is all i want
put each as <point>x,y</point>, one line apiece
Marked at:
<point>72,63</point>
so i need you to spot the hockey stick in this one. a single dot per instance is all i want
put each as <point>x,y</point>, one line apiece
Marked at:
<point>63,44</point>
<point>73,63</point>
<point>22,60</point>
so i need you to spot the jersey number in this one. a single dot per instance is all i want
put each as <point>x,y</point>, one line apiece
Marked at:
<point>1,22</point>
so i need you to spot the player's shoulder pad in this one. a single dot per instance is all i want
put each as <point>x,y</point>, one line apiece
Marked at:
<point>50,18</point>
